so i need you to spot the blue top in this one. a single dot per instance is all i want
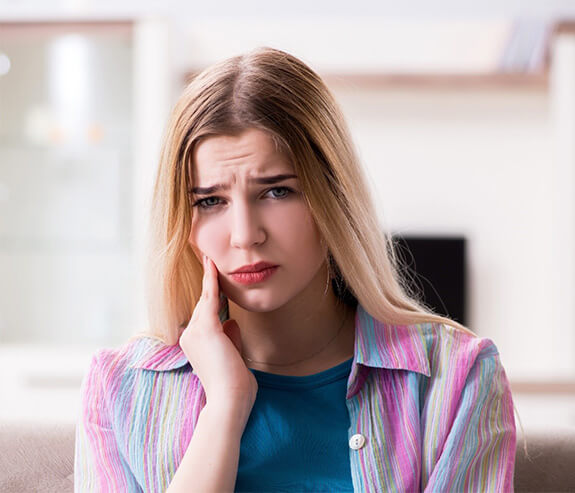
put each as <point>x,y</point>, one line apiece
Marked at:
<point>296,438</point>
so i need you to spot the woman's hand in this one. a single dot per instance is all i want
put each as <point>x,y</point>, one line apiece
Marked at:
<point>214,351</point>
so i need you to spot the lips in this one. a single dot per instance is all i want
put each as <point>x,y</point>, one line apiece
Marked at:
<point>248,278</point>
<point>257,267</point>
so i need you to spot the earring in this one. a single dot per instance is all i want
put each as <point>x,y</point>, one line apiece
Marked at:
<point>328,265</point>
<point>327,281</point>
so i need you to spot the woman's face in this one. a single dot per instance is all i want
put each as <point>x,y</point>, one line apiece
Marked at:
<point>254,212</point>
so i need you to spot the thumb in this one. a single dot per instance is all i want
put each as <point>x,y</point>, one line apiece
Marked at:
<point>232,330</point>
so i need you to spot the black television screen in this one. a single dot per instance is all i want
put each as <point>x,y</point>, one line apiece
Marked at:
<point>434,269</point>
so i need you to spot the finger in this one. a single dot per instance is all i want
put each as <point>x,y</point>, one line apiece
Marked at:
<point>207,305</point>
<point>210,288</point>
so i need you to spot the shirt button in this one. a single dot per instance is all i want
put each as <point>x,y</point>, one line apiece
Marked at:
<point>356,441</point>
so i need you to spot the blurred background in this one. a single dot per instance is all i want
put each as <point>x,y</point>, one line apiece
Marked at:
<point>464,118</point>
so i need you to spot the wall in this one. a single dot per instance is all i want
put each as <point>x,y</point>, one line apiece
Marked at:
<point>186,11</point>
<point>476,163</point>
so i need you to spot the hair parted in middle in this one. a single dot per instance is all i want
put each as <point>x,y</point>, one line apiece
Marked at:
<point>273,91</point>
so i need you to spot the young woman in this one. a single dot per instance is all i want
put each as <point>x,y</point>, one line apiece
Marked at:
<point>284,354</point>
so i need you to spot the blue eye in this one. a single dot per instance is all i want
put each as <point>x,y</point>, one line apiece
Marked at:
<point>284,192</point>
<point>207,203</point>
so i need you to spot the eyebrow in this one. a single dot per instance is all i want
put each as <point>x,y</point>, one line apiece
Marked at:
<point>264,180</point>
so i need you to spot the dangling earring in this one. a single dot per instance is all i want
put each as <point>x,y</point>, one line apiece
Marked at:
<point>323,246</point>
<point>327,281</point>
<point>329,272</point>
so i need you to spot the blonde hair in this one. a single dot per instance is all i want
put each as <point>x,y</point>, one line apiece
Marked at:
<point>273,91</point>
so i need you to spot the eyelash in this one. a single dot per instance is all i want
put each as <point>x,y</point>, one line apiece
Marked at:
<point>201,203</point>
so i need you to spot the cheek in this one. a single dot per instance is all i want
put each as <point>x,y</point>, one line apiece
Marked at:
<point>299,232</point>
<point>206,238</point>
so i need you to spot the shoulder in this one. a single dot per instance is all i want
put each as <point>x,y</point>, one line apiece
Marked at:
<point>447,338</point>
<point>110,366</point>
<point>420,347</point>
<point>132,375</point>
<point>458,356</point>
<point>119,358</point>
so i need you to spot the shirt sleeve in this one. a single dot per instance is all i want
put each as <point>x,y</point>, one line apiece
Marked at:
<point>479,451</point>
<point>98,463</point>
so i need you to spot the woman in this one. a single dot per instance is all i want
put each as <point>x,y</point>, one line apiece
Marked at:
<point>284,354</point>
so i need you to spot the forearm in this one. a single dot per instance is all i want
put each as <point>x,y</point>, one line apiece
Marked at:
<point>210,463</point>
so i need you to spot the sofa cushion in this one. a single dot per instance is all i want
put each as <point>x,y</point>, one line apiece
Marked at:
<point>548,465</point>
<point>40,458</point>
<point>36,458</point>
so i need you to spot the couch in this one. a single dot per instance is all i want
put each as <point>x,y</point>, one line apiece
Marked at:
<point>40,459</point>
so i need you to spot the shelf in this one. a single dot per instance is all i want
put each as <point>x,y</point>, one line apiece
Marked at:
<point>530,80</point>
<point>527,81</point>
<point>441,81</point>
<point>563,387</point>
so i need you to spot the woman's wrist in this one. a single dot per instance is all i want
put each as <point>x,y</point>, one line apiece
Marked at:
<point>231,417</point>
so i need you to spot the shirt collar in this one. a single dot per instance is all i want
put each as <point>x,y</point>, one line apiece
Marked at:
<point>382,345</point>
<point>154,354</point>
<point>377,345</point>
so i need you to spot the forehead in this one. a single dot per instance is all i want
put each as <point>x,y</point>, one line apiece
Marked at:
<point>252,152</point>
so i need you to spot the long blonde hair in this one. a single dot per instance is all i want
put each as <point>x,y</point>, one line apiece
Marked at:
<point>273,91</point>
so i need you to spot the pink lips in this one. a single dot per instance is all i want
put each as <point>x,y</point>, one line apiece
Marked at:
<point>255,273</point>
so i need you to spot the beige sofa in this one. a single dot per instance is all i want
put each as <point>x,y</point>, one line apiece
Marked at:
<point>36,458</point>
<point>40,459</point>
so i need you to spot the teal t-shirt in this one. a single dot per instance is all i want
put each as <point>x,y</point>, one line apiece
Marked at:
<point>296,438</point>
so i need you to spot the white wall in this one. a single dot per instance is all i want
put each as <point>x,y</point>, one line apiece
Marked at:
<point>475,163</point>
<point>186,10</point>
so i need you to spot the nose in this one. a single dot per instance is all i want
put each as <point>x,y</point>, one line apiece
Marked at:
<point>246,229</point>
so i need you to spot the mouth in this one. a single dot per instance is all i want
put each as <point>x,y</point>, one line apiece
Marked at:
<point>253,268</point>
<point>254,277</point>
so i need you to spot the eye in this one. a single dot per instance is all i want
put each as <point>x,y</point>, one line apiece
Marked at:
<point>207,203</point>
<point>280,192</point>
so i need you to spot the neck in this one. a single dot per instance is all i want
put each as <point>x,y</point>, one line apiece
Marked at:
<point>312,332</point>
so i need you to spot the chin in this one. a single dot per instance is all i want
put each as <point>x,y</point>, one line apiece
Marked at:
<point>256,302</point>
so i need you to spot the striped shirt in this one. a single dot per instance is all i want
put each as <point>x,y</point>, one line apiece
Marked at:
<point>433,404</point>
